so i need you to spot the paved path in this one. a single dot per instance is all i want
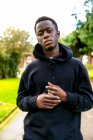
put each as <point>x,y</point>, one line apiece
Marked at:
<point>87,125</point>
<point>14,130</point>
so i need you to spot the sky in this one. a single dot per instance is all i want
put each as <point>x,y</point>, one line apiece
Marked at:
<point>22,14</point>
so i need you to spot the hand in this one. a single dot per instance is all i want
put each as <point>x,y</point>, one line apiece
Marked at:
<point>57,91</point>
<point>47,101</point>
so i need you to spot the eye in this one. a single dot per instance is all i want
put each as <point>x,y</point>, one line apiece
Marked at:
<point>40,33</point>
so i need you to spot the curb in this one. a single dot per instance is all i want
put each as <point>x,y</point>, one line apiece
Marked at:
<point>7,119</point>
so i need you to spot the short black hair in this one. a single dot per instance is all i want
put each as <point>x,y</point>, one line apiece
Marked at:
<point>45,18</point>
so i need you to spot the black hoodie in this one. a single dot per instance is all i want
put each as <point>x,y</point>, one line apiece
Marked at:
<point>62,122</point>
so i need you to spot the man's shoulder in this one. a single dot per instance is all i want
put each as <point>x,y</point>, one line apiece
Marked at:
<point>33,63</point>
<point>76,60</point>
<point>30,68</point>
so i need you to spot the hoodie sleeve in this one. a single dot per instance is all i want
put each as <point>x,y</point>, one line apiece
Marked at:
<point>82,98</point>
<point>24,100</point>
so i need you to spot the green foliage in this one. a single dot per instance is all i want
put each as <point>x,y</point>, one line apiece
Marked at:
<point>14,45</point>
<point>85,28</point>
<point>74,42</point>
<point>81,40</point>
<point>86,33</point>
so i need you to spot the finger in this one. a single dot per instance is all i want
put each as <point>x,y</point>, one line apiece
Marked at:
<point>54,92</point>
<point>52,88</point>
<point>52,102</point>
<point>50,84</point>
<point>49,104</point>
<point>50,96</point>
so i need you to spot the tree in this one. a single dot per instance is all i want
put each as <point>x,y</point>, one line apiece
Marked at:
<point>73,41</point>
<point>3,59</point>
<point>15,45</point>
<point>85,28</point>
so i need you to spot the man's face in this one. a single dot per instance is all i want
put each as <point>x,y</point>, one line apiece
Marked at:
<point>47,35</point>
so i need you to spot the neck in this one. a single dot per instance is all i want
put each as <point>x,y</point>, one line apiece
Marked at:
<point>53,53</point>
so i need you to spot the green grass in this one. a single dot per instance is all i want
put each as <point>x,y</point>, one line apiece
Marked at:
<point>8,90</point>
<point>8,94</point>
<point>5,110</point>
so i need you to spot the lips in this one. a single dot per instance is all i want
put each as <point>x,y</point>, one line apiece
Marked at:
<point>47,42</point>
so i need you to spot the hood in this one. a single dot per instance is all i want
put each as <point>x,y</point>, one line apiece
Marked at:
<point>66,53</point>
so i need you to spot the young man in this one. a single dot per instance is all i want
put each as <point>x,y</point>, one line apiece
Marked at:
<point>54,89</point>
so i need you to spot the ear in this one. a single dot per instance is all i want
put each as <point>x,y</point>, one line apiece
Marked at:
<point>58,34</point>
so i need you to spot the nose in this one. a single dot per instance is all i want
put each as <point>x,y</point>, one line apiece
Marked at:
<point>46,34</point>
